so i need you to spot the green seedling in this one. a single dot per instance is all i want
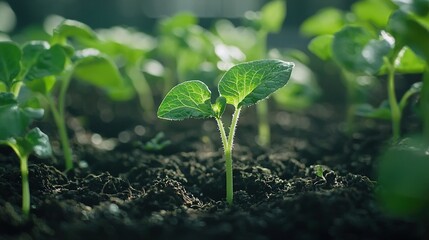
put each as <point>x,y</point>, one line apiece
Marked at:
<point>14,123</point>
<point>47,67</point>
<point>241,86</point>
<point>157,143</point>
<point>377,42</point>
<point>130,49</point>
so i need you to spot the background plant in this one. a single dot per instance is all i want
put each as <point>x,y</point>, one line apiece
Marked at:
<point>15,121</point>
<point>46,68</point>
<point>363,43</point>
<point>241,86</point>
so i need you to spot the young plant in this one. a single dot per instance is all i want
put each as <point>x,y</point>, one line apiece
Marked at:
<point>14,123</point>
<point>42,67</point>
<point>380,42</point>
<point>241,86</point>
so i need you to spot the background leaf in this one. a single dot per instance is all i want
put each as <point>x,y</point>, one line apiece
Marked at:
<point>10,56</point>
<point>247,83</point>
<point>71,28</point>
<point>321,46</point>
<point>325,21</point>
<point>97,69</point>
<point>375,11</point>
<point>272,15</point>
<point>190,99</point>
<point>355,49</point>
<point>409,32</point>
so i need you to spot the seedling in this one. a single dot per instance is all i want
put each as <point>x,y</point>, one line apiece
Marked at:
<point>42,66</point>
<point>241,86</point>
<point>399,46</point>
<point>14,123</point>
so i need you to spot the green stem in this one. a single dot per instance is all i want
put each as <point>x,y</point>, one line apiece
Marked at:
<point>143,90</point>
<point>58,112</point>
<point>227,148</point>
<point>264,136</point>
<point>393,102</point>
<point>25,185</point>
<point>23,161</point>
<point>228,157</point>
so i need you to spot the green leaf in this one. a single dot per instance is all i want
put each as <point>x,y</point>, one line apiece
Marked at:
<point>14,120</point>
<point>38,142</point>
<point>409,32</point>
<point>189,99</point>
<point>10,56</point>
<point>374,11</point>
<point>71,29</point>
<point>325,21</point>
<point>355,49</point>
<point>272,15</point>
<point>247,83</point>
<point>179,21</point>
<point>95,68</point>
<point>408,62</point>
<point>31,52</point>
<point>44,66</point>
<point>321,46</point>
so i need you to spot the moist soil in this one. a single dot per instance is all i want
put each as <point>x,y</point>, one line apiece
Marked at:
<point>178,192</point>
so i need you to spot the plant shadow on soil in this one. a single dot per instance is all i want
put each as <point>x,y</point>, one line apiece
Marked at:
<point>178,193</point>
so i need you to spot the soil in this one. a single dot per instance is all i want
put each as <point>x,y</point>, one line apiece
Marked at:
<point>178,192</point>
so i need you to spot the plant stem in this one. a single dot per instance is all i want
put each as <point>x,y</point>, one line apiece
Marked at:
<point>228,143</point>
<point>394,107</point>
<point>25,185</point>
<point>23,162</point>
<point>143,90</point>
<point>59,118</point>
<point>264,136</point>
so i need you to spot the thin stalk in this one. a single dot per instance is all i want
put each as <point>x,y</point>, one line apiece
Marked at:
<point>393,102</point>
<point>264,136</point>
<point>143,90</point>
<point>222,133</point>
<point>23,161</point>
<point>58,112</point>
<point>228,157</point>
<point>25,185</point>
<point>264,130</point>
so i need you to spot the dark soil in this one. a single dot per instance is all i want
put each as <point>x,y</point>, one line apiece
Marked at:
<point>178,192</point>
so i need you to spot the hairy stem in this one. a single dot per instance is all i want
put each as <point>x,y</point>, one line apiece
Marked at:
<point>228,157</point>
